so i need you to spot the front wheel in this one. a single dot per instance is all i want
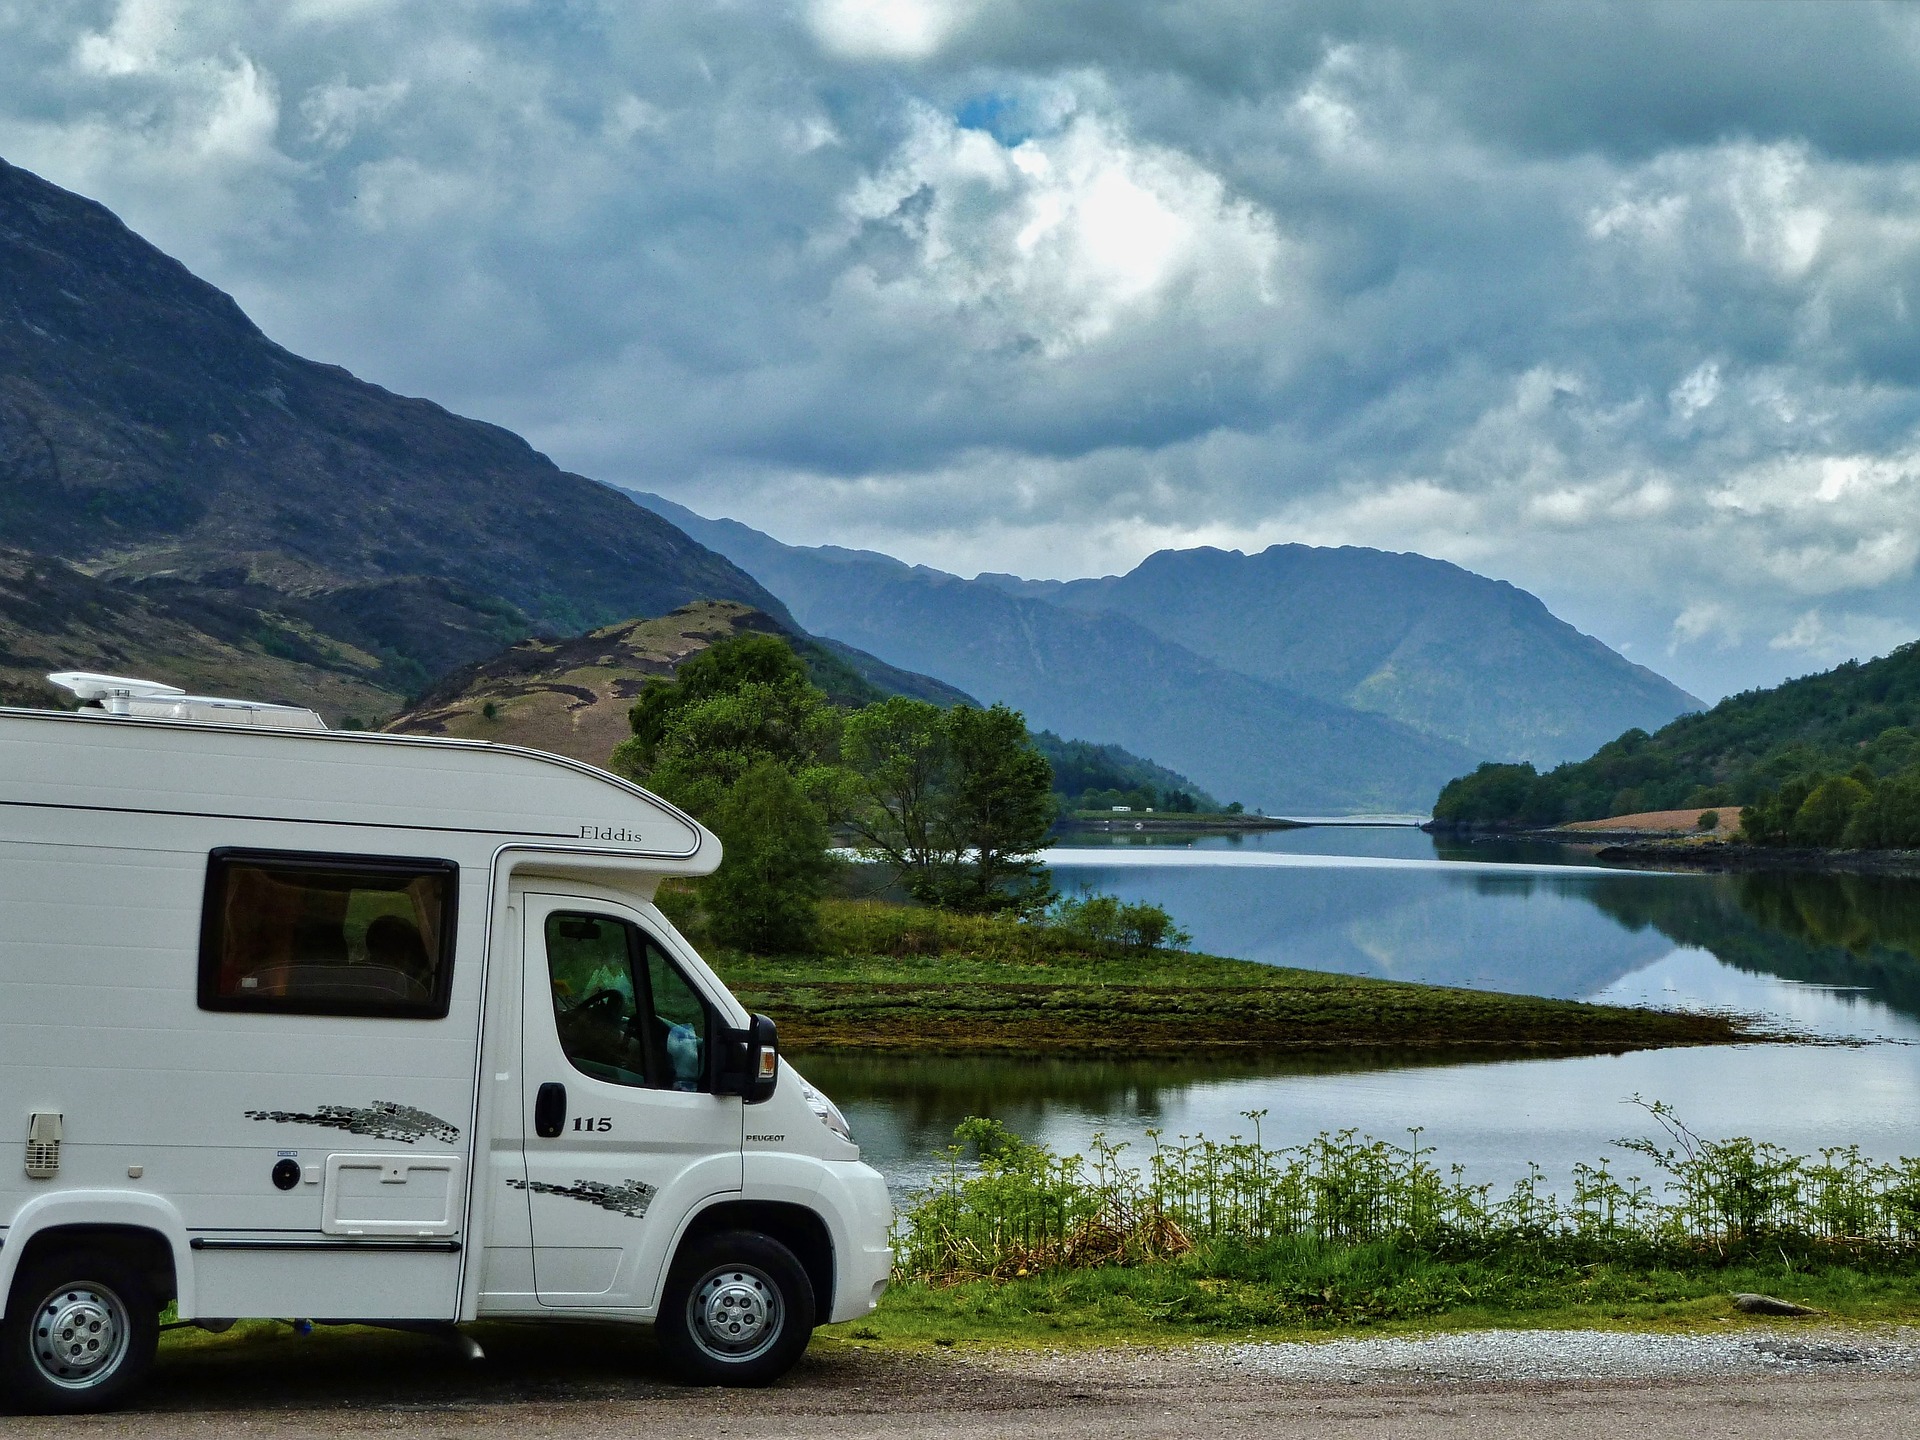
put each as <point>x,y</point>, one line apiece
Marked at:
<point>738,1310</point>
<point>80,1334</point>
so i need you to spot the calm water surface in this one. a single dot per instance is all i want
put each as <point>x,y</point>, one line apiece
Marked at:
<point>1825,955</point>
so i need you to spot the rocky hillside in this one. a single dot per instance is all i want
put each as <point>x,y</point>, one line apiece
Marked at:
<point>241,518</point>
<point>571,696</point>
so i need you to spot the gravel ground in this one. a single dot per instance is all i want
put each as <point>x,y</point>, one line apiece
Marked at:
<point>585,1382</point>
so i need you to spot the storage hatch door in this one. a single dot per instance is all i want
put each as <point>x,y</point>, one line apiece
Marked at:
<point>411,1195</point>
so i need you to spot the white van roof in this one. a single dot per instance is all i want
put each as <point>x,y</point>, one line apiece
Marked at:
<point>98,762</point>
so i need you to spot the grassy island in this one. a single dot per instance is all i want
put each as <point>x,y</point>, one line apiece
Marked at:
<point>889,977</point>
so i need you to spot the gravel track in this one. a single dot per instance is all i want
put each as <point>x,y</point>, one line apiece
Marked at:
<point>586,1382</point>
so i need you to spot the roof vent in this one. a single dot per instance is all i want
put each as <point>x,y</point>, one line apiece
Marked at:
<point>151,700</point>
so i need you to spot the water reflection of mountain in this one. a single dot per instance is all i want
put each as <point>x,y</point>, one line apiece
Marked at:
<point>1841,930</point>
<point>1530,934</point>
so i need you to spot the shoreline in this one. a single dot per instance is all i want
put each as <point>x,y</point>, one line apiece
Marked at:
<point>1653,850</point>
<point>891,980</point>
<point>1157,824</point>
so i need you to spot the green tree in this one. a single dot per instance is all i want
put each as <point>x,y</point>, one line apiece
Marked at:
<point>1822,817</point>
<point>723,668</point>
<point>958,801</point>
<point>765,896</point>
<point>744,742</point>
<point>1890,818</point>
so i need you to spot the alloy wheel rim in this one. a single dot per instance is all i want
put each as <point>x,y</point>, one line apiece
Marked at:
<point>734,1313</point>
<point>80,1335</point>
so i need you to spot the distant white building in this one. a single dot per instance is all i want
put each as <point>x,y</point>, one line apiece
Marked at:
<point>1123,809</point>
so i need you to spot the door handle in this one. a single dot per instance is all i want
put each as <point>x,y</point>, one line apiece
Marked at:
<point>550,1110</point>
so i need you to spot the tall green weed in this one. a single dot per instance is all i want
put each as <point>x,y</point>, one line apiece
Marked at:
<point>1008,1207</point>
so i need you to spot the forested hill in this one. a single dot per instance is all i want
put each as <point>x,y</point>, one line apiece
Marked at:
<point>1861,714</point>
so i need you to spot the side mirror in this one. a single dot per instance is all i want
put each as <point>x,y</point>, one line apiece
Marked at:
<point>748,1061</point>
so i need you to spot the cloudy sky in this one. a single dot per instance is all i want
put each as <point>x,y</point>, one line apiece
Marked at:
<point>1616,302</point>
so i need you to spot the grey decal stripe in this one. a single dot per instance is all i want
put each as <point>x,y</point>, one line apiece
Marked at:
<point>383,1120</point>
<point>631,1197</point>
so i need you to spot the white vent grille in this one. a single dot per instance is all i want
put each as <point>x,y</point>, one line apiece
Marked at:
<point>44,1133</point>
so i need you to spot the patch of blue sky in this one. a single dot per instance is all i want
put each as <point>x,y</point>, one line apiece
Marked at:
<point>1005,117</point>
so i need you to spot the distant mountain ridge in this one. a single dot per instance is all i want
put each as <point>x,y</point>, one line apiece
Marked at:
<point>264,515</point>
<point>1097,676</point>
<point>1473,660</point>
<point>1303,680</point>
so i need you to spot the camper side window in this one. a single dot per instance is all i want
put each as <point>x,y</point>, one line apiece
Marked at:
<point>623,1010</point>
<point>298,934</point>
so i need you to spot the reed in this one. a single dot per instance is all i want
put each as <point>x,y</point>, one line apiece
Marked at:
<point>1008,1208</point>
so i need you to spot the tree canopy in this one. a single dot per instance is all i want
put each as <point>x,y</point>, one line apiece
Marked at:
<point>1738,753</point>
<point>958,801</point>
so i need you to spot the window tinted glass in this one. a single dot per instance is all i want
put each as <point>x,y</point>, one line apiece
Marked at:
<point>327,934</point>
<point>622,1011</point>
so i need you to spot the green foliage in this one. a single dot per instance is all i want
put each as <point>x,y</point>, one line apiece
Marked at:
<point>958,801</point>
<point>1822,817</point>
<point>1707,820</point>
<point>744,742</point>
<point>1107,920</point>
<point>765,896</point>
<point>1096,777</point>
<point>1020,1209</point>
<point>1858,717</point>
<point>722,669</point>
<point>1889,819</point>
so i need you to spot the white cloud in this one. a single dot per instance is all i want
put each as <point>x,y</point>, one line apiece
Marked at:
<point>1695,393</point>
<point>886,29</point>
<point>1060,241</point>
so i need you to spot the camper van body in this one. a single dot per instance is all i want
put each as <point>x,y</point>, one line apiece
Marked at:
<point>430,1152</point>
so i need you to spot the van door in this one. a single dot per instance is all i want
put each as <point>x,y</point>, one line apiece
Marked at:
<point>622,1135</point>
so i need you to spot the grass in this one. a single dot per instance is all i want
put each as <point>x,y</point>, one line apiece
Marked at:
<point>1310,1291</point>
<point>890,977</point>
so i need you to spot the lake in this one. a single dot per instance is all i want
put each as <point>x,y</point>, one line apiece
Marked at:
<point>1821,955</point>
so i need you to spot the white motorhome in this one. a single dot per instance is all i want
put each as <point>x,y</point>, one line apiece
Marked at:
<point>339,1026</point>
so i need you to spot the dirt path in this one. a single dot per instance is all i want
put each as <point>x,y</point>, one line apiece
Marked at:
<point>589,1383</point>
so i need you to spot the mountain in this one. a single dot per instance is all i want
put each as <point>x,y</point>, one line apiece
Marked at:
<point>1099,676</point>
<point>1450,653</point>
<point>234,505</point>
<point>1860,713</point>
<point>571,696</point>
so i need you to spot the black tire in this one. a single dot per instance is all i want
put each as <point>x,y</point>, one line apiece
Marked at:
<point>738,1309</point>
<point>79,1335</point>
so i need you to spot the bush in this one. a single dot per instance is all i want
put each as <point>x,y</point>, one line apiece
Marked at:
<point>1107,920</point>
<point>1709,820</point>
